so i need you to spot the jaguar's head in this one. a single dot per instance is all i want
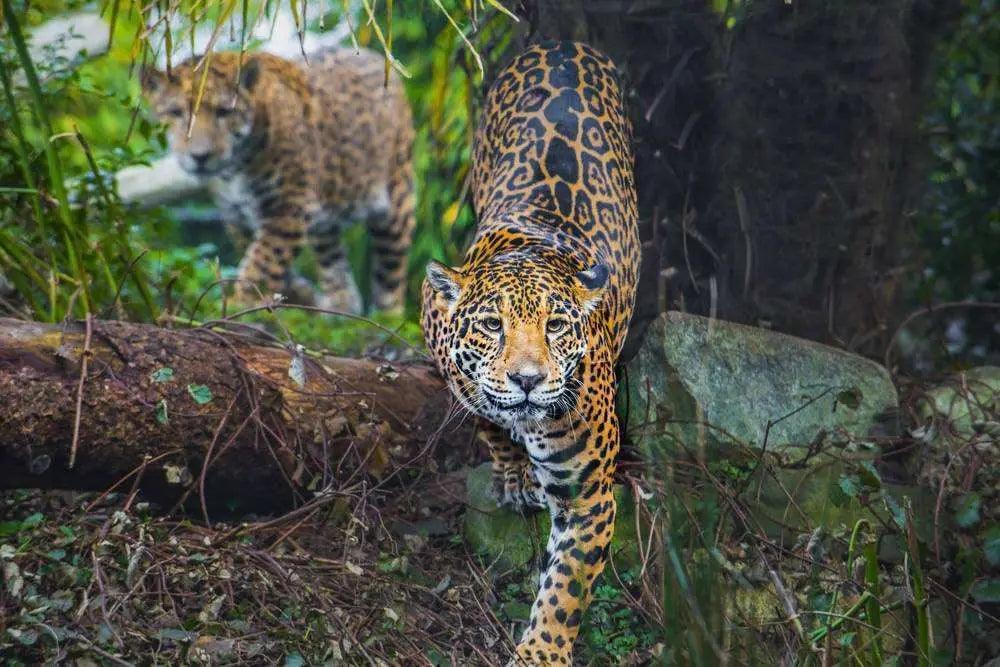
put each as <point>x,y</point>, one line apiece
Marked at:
<point>518,330</point>
<point>205,140</point>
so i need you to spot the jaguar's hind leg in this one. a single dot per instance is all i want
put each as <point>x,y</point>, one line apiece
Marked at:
<point>337,287</point>
<point>392,234</point>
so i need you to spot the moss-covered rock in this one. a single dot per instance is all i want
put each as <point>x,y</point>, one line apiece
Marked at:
<point>698,381</point>
<point>722,392</point>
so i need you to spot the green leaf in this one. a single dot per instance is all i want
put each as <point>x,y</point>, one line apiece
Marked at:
<point>56,554</point>
<point>850,485</point>
<point>200,393</point>
<point>869,475</point>
<point>496,5</point>
<point>437,659</point>
<point>895,510</point>
<point>967,513</point>
<point>25,637</point>
<point>987,590</point>
<point>32,520</point>
<point>294,660</point>
<point>175,634</point>
<point>991,545</point>
<point>9,528</point>
<point>847,638</point>
<point>161,412</point>
<point>517,610</point>
<point>165,374</point>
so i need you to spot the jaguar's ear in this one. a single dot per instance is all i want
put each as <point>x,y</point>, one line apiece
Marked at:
<point>152,79</point>
<point>591,284</point>
<point>445,281</point>
<point>250,74</point>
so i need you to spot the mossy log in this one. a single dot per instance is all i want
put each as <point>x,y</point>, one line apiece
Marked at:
<point>155,404</point>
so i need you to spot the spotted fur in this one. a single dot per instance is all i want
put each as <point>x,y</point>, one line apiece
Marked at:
<point>528,329</point>
<point>294,152</point>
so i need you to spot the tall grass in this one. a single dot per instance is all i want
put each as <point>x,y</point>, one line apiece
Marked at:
<point>62,263</point>
<point>723,589</point>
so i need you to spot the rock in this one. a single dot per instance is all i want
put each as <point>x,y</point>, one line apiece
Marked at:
<point>721,392</point>
<point>510,540</point>
<point>968,405</point>
<point>698,382</point>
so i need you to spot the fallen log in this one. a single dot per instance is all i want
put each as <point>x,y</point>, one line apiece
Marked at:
<point>209,418</point>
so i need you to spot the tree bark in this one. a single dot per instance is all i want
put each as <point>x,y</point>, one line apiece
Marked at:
<point>155,404</point>
<point>777,150</point>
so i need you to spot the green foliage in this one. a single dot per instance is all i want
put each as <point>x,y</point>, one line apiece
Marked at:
<point>67,249</point>
<point>165,374</point>
<point>613,631</point>
<point>161,412</point>
<point>80,250</point>
<point>959,226</point>
<point>991,546</point>
<point>200,393</point>
<point>967,512</point>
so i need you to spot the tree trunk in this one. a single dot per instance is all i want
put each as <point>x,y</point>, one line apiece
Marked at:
<point>776,153</point>
<point>155,404</point>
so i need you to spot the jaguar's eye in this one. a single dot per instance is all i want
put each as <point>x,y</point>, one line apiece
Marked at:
<point>223,112</point>
<point>175,112</point>
<point>555,326</point>
<point>492,324</point>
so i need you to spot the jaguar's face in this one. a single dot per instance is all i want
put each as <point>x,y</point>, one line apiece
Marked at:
<point>518,332</point>
<point>205,140</point>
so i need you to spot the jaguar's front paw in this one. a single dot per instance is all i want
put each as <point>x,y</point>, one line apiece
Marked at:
<point>535,653</point>
<point>515,487</point>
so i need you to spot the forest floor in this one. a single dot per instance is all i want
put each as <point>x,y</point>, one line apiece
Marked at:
<point>377,578</point>
<point>359,580</point>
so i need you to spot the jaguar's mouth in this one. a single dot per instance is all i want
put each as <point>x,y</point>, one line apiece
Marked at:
<point>202,171</point>
<point>524,406</point>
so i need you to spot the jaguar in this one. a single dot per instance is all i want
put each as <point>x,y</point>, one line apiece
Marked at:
<point>292,153</point>
<point>527,331</point>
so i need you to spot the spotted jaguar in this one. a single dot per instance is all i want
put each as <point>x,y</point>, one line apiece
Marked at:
<point>528,329</point>
<point>294,152</point>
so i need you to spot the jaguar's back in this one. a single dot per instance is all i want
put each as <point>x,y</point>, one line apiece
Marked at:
<point>554,147</point>
<point>361,120</point>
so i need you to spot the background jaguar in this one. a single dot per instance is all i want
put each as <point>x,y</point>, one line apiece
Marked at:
<point>294,151</point>
<point>528,329</point>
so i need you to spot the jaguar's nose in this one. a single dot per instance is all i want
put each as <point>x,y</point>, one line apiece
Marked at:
<point>200,158</point>
<point>526,381</point>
